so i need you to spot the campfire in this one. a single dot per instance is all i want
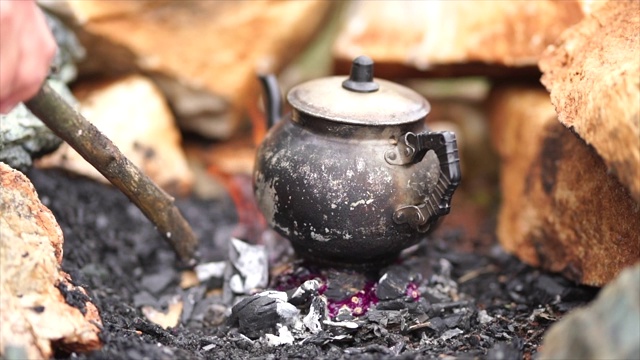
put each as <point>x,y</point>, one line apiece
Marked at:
<point>461,223</point>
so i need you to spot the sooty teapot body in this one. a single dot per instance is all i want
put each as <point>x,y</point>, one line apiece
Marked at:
<point>353,175</point>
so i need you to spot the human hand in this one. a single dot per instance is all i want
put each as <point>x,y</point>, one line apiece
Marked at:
<point>26,50</point>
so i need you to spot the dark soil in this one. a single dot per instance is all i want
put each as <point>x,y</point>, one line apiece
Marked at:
<point>487,304</point>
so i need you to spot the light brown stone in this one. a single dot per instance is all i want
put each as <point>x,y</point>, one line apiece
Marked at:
<point>561,209</point>
<point>166,319</point>
<point>132,112</point>
<point>593,74</point>
<point>424,34</point>
<point>34,312</point>
<point>211,50</point>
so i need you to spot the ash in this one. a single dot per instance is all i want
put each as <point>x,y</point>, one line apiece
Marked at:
<point>438,302</point>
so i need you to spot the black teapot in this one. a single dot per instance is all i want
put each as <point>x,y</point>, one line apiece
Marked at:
<point>353,175</point>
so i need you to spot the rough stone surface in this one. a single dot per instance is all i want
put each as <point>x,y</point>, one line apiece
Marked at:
<point>427,33</point>
<point>593,74</point>
<point>131,112</point>
<point>562,210</point>
<point>609,328</point>
<point>23,136</point>
<point>205,48</point>
<point>39,304</point>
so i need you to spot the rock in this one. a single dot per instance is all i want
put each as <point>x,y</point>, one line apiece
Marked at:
<point>561,210</point>
<point>432,33</point>
<point>593,74</point>
<point>24,137</point>
<point>205,53</point>
<point>131,112</point>
<point>609,328</point>
<point>35,295</point>
<point>69,51</point>
<point>166,319</point>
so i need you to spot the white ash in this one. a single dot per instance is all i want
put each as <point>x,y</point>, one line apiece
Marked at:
<point>484,318</point>
<point>317,314</point>
<point>345,324</point>
<point>451,334</point>
<point>206,271</point>
<point>284,337</point>
<point>249,268</point>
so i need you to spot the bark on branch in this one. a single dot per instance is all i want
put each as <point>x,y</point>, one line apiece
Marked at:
<point>100,152</point>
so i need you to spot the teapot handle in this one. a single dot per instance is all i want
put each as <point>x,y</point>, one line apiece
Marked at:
<point>272,98</point>
<point>411,149</point>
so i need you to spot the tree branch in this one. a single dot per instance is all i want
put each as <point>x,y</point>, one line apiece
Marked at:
<point>100,152</point>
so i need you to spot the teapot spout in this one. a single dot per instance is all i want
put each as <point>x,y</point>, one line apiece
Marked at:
<point>272,98</point>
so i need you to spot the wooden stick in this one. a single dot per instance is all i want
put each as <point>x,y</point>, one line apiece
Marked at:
<point>100,152</point>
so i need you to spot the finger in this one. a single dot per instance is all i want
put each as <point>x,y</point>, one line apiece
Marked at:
<point>36,51</point>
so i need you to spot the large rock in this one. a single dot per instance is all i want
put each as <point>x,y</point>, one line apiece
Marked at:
<point>206,53</point>
<point>593,74</point>
<point>133,113</point>
<point>424,34</point>
<point>561,210</point>
<point>609,328</point>
<point>33,289</point>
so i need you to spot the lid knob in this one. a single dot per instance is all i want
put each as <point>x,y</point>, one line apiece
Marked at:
<point>361,76</point>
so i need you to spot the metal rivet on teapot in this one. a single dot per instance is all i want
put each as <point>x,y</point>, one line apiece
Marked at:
<point>353,175</point>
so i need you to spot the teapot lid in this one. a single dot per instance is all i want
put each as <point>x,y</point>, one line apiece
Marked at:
<point>358,99</point>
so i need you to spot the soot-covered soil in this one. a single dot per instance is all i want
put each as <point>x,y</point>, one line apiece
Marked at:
<point>480,304</point>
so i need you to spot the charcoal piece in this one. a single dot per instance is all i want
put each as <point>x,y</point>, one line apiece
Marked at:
<point>335,325</point>
<point>344,314</point>
<point>398,346</point>
<point>369,349</point>
<point>376,330</point>
<point>436,324</point>
<point>260,313</point>
<point>439,307</point>
<point>435,296</point>
<point>393,284</point>
<point>344,284</point>
<point>157,282</point>
<point>214,314</point>
<point>547,290</point>
<point>392,319</point>
<point>249,269</point>
<point>419,308</point>
<point>504,351</point>
<point>453,320</point>
<point>304,293</point>
<point>189,300</point>
<point>317,314</point>
<point>144,298</point>
<point>403,303</point>
<point>395,304</point>
<point>386,317</point>
<point>327,337</point>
